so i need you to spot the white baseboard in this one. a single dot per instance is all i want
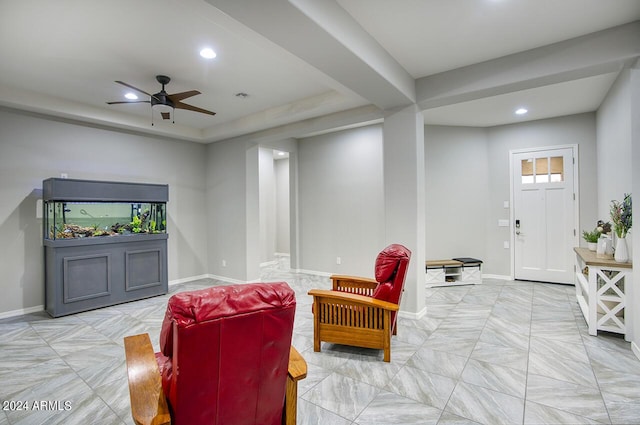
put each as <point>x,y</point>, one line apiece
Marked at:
<point>313,272</point>
<point>21,311</point>
<point>413,316</point>
<point>225,278</point>
<point>496,276</point>
<point>189,279</point>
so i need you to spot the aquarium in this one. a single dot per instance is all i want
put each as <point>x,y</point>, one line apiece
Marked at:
<point>67,220</point>
<point>105,243</point>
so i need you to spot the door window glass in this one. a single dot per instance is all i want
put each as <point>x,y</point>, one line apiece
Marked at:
<point>527,171</point>
<point>557,169</point>
<point>546,170</point>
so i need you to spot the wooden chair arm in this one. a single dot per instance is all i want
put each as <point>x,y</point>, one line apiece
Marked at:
<point>297,371</point>
<point>297,365</point>
<point>347,297</point>
<point>353,284</point>
<point>148,403</point>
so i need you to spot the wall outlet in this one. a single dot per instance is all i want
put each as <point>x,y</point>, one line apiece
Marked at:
<point>224,263</point>
<point>338,260</point>
<point>64,175</point>
<point>505,244</point>
<point>505,204</point>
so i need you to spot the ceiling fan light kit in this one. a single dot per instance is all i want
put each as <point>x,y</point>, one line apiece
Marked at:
<point>164,102</point>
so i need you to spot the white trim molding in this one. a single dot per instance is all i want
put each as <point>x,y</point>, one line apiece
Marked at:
<point>413,316</point>
<point>496,276</point>
<point>21,311</point>
<point>189,279</point>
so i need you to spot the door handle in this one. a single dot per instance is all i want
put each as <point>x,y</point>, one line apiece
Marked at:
<point>517,227</point>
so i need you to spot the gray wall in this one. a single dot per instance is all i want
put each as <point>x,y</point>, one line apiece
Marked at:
<point>573,129</point>
<point>618,149</point>
<point>34,148</point>
<point>467,182</point>
<point>226,209</point>
<point>457,192</point>
<point>341,201</point>
<point>614,145</point>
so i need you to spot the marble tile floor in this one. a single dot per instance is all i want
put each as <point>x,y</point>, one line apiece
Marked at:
<point>502,352</point>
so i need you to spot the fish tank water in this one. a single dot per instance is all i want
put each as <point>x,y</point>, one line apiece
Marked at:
<point>67,220</point>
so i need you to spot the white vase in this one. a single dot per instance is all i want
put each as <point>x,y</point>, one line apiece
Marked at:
<point>622,254</point>
<point>604,249</point>
<point>592,246</point>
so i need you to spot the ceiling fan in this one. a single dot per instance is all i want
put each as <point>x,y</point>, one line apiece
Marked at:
<point>164,101</point>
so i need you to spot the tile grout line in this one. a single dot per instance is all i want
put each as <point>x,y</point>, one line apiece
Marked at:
<point>526,376</point>
<point>459,379</point>
<point>576,318</point>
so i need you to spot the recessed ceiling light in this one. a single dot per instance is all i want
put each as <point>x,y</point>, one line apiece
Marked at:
<point>207,53</point>
<point>521,111</point>
<point>131,96</point>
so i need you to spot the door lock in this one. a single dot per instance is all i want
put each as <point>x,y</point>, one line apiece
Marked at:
<point>517,227</point>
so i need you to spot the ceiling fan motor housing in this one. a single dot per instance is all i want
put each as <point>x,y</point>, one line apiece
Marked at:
<point>161,98</point>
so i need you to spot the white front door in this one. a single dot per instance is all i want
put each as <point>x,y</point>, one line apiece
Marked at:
<point>544,214</point>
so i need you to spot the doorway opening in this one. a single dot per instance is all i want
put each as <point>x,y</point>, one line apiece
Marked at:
<point>274,208</point>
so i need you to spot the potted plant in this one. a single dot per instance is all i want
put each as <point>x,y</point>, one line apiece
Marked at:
<point>591,238</point>
<point>621,217</point>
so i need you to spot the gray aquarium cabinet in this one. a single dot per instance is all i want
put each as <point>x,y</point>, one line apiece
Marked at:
<point>105,243</point>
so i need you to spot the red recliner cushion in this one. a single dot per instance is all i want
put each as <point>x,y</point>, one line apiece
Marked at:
<point>388,260</point>
<point>228,353</point>
<point>191,307</point>
<point>390,272</point>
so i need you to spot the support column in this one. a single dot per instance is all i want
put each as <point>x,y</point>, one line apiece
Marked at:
<point>404,194</point>
<point>252,211</point>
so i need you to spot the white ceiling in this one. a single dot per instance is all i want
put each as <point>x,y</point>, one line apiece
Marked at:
<point>62,58</point>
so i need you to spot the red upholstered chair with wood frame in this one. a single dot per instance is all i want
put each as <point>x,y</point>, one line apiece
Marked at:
<point>362,312</point>
<point>226,358</point>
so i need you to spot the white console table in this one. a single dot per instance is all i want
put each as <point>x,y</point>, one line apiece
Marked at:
<point>601,285</point>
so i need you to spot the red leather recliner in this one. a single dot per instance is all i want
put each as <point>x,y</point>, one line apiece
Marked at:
<point>362,312</point>
<point>225,355</point>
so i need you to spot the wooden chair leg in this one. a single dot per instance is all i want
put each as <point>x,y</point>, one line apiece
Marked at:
<point>316,328</point>
<point>386,343</point>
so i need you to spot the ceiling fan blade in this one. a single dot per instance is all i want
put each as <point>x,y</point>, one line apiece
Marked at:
<point>137,89</point>
<point>177,97</point>
<point>132,87</point>
<point>130,101</point>
<point>180,105</point>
